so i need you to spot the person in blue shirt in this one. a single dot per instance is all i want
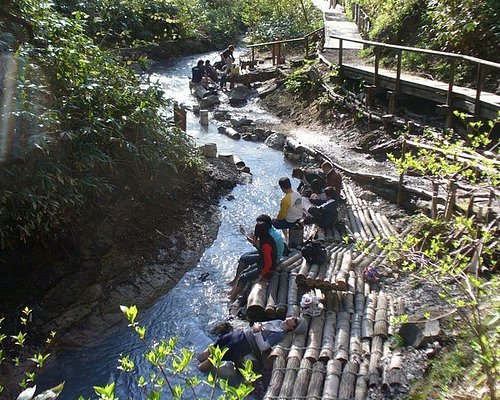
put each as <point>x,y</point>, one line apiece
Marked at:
<point>252,257</point>
<point>251,340</point>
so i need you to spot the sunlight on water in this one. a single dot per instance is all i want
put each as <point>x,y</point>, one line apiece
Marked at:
<point>193,305</point>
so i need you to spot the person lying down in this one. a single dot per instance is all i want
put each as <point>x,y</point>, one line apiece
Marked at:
<point>254,340</point>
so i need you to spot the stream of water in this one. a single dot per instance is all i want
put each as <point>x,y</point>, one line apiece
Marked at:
<point>192,305</point>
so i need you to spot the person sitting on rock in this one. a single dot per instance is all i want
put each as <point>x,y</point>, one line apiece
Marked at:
<point>199,76</point>
<point>252,257</point>
<point>290,212</point>
<point>326,214</point>
<point>307,177</point>
<point>227,57</point>
<point>266,263</point>
<point>333,178</point>
<point>211,72</point>
<point>251,340</point>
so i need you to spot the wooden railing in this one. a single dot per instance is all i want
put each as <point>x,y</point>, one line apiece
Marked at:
<point>482,65</point>
<point>361,18</point>
<point>277,46</point>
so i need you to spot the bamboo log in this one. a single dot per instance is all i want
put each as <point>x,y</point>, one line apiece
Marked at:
<point>359,303</point>
<point>334,266</point>
<point>393,375</point>
<point>316,382</point>
<point>311,275</point>
<point>282,295</point>
<point>376,223</point>
<point>272,296</point>
<point>291,261</point>
<point>256,301</point>
<point>348,380</point>
<point>293,307</point>
<point>371,229</point>
<point>361,383</point>
<point>388,225</point>
<point>332,301</point>
<point>368,316</point>
<point>342,339</point>
<point>299,341</point>
<point>277,377</point>
<point>381,325</point>
<point>314,338</point>
<point>332,380</point>
<point>292,366</point>
<point>342,276</point>
<point>366,346</point>
<point>386,232</point>
<point>353,224</point>
<point>349,295</point>
<point>302,380</point>
<point>320,278</point>
<point>355,351</point>
<point>375,356</point>
<point>373,257</point>
<point>359,222</point>
<point>328,340</point>
<point>362,254</point>
<point>303,271</point>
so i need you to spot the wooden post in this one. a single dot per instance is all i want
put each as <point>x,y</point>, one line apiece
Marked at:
<point>449,96</point>
<point>489,207</point>
<point>392,101</point>
<point>450,200</point>
<point>398,71</point>
<point>435,193</point>
<point>341,43</point>
<point>179,117</point>
<point>377,61</point>
<point>479,88</point>
<point>401,176</point>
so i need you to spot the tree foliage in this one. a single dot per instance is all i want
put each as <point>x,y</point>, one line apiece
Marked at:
<point>75,115</point>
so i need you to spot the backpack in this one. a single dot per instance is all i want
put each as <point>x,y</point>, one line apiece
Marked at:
<point>314,253</point>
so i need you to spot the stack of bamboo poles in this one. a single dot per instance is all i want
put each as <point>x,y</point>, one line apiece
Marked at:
<point>340,355</point>
<point>268,299</point>
<point>364,223</point>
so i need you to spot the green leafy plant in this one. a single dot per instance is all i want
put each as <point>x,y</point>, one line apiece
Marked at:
<point>19,366</point>
<point>169,363</point>
<point>304,81</point>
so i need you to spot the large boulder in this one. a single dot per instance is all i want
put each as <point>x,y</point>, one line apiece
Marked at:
<point>238,95</point>
<point>239,122</point>
<point>209,101</point>
<point>275,141</point>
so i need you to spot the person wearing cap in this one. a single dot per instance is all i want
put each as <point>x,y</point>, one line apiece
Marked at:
<point>255,339</point>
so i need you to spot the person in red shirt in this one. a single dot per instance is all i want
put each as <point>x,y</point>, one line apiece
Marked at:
<point>265,265</point>
<point>333,178</point>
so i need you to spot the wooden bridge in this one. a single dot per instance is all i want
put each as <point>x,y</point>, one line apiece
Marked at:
<point>339,42</point>
<point>398,84</point>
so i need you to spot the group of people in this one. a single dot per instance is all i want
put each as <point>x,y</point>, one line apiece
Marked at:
<point>315,201</point>
<point>206,74</point>
<point>317,196</point>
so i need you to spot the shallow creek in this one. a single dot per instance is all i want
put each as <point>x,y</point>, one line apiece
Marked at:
<point>190,308</point>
